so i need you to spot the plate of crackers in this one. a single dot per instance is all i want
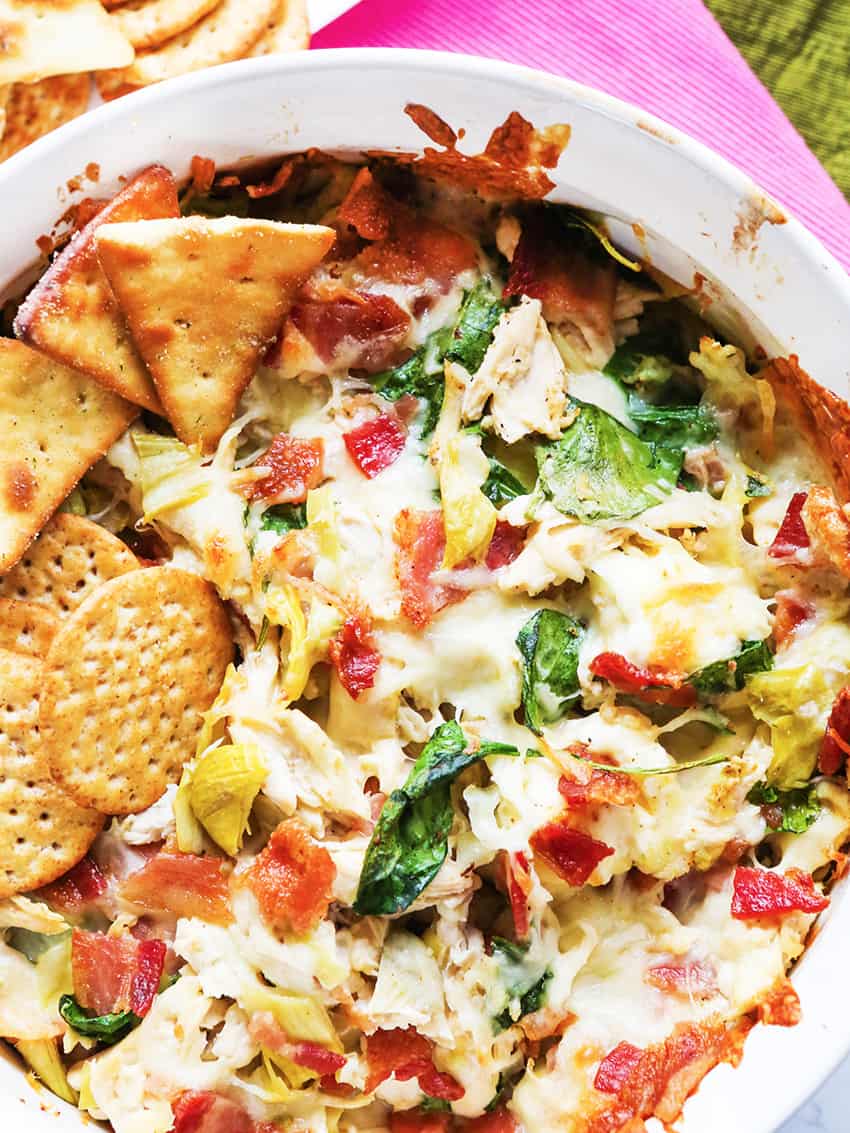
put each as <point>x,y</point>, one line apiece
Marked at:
<point>58,60</point>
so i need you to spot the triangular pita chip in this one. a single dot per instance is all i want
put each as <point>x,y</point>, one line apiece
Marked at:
<point>55,423</point>
<point>42,37</point>
<point>71,314</point>
<point>203,300</point>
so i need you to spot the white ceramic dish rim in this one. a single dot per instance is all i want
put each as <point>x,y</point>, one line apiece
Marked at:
<point>808,315</point>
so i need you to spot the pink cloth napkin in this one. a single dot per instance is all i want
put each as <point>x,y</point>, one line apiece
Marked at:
<point>670,57</point>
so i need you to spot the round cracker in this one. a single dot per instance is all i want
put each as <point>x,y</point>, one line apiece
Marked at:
<point>148,23</point>
<point>129,677</point>
<point>70,558</point>
<point>43,833</point>
<point>34,109</point>
<point>26,627</point>
<point>228,32</point>
<point>288,31</point>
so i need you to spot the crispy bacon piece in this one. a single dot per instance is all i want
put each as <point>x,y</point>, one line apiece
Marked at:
<point>76,889</point>
<point>183,884</point>
<point>499,1121</point>
<point>781,1005</point>
<point>506,545</point>
<point>405,246</point>
<point>792,536</point>
<point>792,611</point>
<point>376,444</point>
<point>419,1121</point>
<point>763,893</point>
<point>201,1111</point>
<point>292,879</point>
<point>202,172</point>
<point>829,524</point>
<point>616,1066</point>
<point>407,1054</point>
<point>695,979</point>
<point>650,684</point>
<point>115,973</point>
<point>267,1032</point>
<point>657,1081</point>
<point>421,542</point>
<point>518,884</point>
<point>360,329</point>
<point>354,656</point>
<point>572,854</point>
<point>295,466</point>
<point>835,745</point>
<point>550,267</point>
<point>600,787</point>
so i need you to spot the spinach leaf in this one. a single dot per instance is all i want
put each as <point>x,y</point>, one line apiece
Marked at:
<point>647,358</point>
<point>479,313</point>
<point>501,485</point>
<point>284,517</point>
<point>228,200</point>
<point>730,675</point>
<point>410,840</point>
<point>434,1105</point>
<point>598,469</point>
<point>549,643</point>
<point>422,376</point>
<point>525,985</point>
<point>757,486</point>
<point>798,808</point>
<point>107,1029</point>
<point>648,772</point>
<point>673,426</point>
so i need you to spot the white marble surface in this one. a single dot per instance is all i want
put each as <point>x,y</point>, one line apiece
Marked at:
<point>829,1109</point>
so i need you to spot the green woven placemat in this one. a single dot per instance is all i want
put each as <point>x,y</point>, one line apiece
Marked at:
<point>800,49</point>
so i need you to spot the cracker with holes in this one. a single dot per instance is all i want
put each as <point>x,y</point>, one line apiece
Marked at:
<point>129,677</point>
<point>288,31</point>
<point>55,423</point>
<point>43,833</point>
<point>34,109</point>
<point>203,299</point>
<point>148,23</point>
<point>71,314</point>
<point>26,627</point>
<point>70,558</point>
<point>43,37</point>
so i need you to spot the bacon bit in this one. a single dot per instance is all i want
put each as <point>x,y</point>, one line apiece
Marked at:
<point>318,1058</point>
<point>295,466</point>
<point>572,854</point>
<point>266,1031</point>
<point>829,525</point>
<point>572,287</point>
<point>499,1121</point>
<point>115,973</point>
<point>792,536</point>
<point>506,545</point>
<point>407,1054</point>
<point>363,329</point>
<point>79,887</point>
<point>368,207</point>
<point>545,1024</point>
<point>183,884</point>
<point>661,1078</point>
<point>695,979</point>
<point>280,179</point>
<point>376,444</point>
<point>615,1068</point>
<point>792,611</point>
<point>417,1121</point>
<point>613,788</point>
<point>354,656</point>
<point>329,1085</point>
<point>781,1005</point>
<point>421,542</point>
<point>518,884</point>
<point>835,745</point>
<point>201,1111</point>
<point>202,172</point>
<point>655,686</point>
<point>85,210</point>
<point>761,893</point>
<point>292,879</point>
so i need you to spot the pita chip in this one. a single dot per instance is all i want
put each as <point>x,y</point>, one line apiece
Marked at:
<point>39,38</point>
<point>203,299</point>
<point>71,314</point>
<point>55,423</point>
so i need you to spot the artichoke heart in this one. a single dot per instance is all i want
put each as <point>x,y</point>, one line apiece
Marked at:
<point>43,1057</point>
<point>223,786</point>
